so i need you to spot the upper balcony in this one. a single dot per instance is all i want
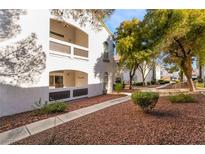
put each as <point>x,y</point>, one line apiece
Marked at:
<point>67,40</point>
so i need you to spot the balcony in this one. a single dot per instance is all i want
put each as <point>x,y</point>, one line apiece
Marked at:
<point>67,40</point>
<point>63,48</point>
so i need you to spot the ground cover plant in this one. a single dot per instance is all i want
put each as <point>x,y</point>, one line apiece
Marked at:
<point>54,107</point>
<point>181,98</point>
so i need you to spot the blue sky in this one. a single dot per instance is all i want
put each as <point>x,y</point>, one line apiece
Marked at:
<point>126,14</point>
<point>123,14</point>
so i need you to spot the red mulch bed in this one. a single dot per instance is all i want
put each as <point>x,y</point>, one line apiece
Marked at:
<point>126,124</point>
<point>10,122</point>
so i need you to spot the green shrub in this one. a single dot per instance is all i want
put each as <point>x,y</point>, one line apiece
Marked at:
<point>145,100</point>
<point>181,98</point>
<point>161,81</point>
<point>153,82</point>
<point>118,87</point>
<point>45,108</point>
<point>138,84</point>
<point>166,81</point>
<point>54,107</point>
<point>200,84</point>
<point>177,81</point>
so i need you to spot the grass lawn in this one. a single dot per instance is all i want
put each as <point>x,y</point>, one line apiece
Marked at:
<point>169,123</point>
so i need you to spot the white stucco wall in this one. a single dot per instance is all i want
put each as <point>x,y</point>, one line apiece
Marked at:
<point>15,99</point>
<point>94,66</point>
<point>137,77</point>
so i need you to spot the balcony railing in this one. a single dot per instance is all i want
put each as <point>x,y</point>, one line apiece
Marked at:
<point>68,93</point>
<point>67,49</point>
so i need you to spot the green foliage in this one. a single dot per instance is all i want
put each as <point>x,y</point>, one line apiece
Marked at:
<point>132,49</point>
<point>200,84</point>
<point>161,81</point>
<point>181,98</point>
<point>129,43</point>
<point>138,84</point>
<point>178,33</point>
<point>145,100</point>
<point>118,87</point>
<point>45,108</point>
<point>153,82</point>
<point>54,107</point>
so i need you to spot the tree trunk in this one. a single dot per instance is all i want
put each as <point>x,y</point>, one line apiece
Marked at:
<point>181,76</point>
<point>187,69</point>
<point>191,84</point>
<point>200,72</point>
<point>130,83</point>
<point>143,81</point>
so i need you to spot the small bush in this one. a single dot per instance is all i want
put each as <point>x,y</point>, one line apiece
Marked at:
<point>166,81</point>
<point>153,82</point>
<point>181,98</point>
<point>145,100</point>
<point>45,108</point>
<point>200,84</point>
<point>138,84</point>
<point>118,87</point>
<point>54,107</point>
<point>161,81</point>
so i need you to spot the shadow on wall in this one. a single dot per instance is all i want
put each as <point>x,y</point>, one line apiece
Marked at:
<point>22,63</point>
<point>8,23</point>
<point>106,62</point>
<point>95,89</point>
<point>16,99</point>
<point>104,65</point>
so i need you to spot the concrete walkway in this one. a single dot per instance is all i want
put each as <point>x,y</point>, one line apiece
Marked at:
<point>22,132</point>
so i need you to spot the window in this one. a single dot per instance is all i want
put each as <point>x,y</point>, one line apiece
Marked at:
<point>106,53</point>
<point>56,80</point>
<point>51,80</point>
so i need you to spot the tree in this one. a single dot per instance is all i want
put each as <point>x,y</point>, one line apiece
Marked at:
<point>147,63</point>
<point>178,33</point>
<point>129,45</point>
<point>93,16</point>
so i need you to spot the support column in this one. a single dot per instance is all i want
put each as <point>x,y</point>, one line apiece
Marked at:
<point>110,82</point>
